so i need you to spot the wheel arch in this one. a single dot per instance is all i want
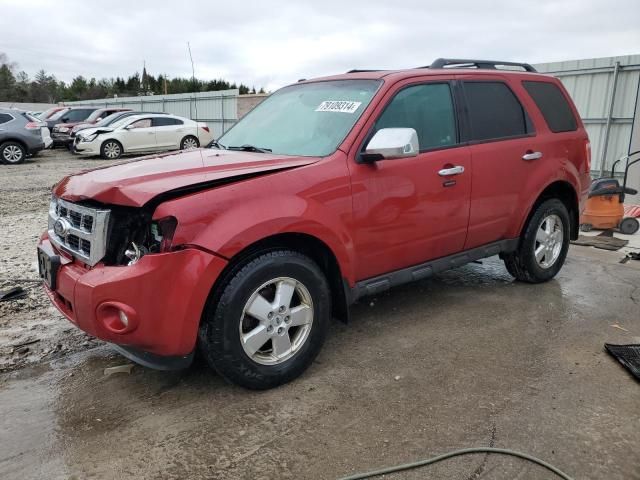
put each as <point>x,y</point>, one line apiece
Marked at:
<point>112,139</point>
<point>566,193</point>
<point>309,245</point>
<point>16,140</point>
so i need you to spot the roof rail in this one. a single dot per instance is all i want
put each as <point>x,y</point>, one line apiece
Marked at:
<point>355,70</point>
<point>465,63</point>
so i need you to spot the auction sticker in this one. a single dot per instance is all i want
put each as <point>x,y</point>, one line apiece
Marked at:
<point>342,106</point>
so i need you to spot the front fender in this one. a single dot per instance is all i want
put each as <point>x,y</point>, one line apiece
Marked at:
<point>314,200</point>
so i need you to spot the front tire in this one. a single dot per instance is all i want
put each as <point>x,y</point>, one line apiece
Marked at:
<point>12,153</point>
<point>111,150</point>
<point>543,246</point>
<point>267,321</point>
<point>189,142</point>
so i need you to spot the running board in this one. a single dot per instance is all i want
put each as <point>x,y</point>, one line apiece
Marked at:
<point>384,282</point>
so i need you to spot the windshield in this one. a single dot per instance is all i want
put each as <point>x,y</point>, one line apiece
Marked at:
<point>122,121</point>
<point>58,114</point>
<point>309,119</point>
<point>108,120</point>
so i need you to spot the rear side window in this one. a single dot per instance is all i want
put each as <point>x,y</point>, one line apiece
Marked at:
<point>5,118</point>
<point>164,121</point>
<point>426,108</point>
<point>553,105</point>
<point>494,111</point>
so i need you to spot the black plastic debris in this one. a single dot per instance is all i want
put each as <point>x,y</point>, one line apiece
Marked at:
<point>602,241</point>
<point>631,256</point>
<point>12,294</point>
<point>627,355</point>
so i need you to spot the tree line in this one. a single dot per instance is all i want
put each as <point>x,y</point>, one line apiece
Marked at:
<point>17,86</point>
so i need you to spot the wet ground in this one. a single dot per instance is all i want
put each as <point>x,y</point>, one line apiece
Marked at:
<point>469,358</point>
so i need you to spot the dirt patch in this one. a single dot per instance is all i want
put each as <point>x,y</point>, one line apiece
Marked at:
<point>31,329</point>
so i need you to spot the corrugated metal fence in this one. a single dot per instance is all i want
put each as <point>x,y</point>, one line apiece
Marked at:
<point>605,91</point>
<point>217,109</point>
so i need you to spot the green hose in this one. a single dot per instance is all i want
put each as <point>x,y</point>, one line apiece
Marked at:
<point>456,453</point>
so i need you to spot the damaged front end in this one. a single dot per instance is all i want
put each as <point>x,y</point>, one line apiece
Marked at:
<point>113,235</point>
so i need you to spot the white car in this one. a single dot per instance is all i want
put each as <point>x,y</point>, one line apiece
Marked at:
<point>142,133</point>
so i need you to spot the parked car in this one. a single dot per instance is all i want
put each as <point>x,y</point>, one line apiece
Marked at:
<point>330,190</point>
<point>50,112</point>
<point>142,133</point>
<point>62,133</point>
<point>106,121</point>
<point>68,115</point>
<point>20,135</point>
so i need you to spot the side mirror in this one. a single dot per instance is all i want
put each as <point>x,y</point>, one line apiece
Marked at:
<point>392,143</point>
<point>64,119</point>
<point>129,127</point>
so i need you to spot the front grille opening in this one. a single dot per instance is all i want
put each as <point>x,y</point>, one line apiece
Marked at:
<point>75,218</point>
<point>87,223</point>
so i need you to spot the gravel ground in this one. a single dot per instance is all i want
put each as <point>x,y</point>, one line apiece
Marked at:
<point>30,328</point>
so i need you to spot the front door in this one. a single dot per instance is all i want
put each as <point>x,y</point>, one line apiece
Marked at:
<point>140,135</point>
<point>411,210</point>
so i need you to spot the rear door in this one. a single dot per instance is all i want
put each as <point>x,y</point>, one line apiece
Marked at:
<point>139,135</point>
<point>405,211</point>
<point>501,138</point>
<point>169,131</point>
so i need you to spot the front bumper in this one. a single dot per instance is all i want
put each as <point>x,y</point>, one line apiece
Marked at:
<point>60,138</point>
<point>163,296</point>
<point>86,148</point>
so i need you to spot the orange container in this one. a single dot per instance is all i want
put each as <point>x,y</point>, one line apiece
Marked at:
<point>603,211</point>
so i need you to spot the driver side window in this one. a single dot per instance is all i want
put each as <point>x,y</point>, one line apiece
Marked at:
<point>144,123</point>
<point>428,109</point>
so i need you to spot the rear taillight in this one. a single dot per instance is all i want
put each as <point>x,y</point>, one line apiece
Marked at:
<point>587,148</point>
<point>34,125</point>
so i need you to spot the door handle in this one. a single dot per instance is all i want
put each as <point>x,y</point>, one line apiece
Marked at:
<point>532,155</point>
<point>446,172</point>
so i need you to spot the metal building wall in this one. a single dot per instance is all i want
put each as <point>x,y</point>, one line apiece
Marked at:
<point>591,83</point>
<point>217,109</point>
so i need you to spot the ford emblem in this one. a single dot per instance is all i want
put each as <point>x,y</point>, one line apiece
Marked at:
<point>61,227</point>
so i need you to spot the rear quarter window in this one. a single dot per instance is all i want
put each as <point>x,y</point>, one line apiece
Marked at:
<point>553,105</point>
<point>5,118</point>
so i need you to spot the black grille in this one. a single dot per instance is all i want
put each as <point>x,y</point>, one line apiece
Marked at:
<point>75,218</point>
<point>87,223</point>
<point>73,241</point>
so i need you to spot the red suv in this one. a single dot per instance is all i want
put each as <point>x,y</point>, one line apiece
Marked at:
<point>329,190</point>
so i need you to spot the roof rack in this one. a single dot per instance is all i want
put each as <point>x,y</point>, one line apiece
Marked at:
<point>465,63</point>
<point>357,70</point>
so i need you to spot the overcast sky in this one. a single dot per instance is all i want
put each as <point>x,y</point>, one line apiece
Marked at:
<point>275,42</point>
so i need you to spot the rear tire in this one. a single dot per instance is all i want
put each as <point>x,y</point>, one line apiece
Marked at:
<point>267,321</point>
<point>189,142</point>
<point>543,245</point>
<point>12,153</point>
<point>111,150</point>
<point>629,225</point>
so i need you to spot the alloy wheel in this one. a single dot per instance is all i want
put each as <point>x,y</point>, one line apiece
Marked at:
<point>189,143</point>
<point>276,321</point>
<point>112,150</point>
<point>12,154</point>
<point>549,240</point>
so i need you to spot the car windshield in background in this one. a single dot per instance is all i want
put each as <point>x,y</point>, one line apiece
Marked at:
<point>58,114</point>
<point>110,119</point>
<point>121,121</point>
<point>309,119</point>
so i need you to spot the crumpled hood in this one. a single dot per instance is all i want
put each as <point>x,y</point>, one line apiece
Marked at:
<point>137,181</point>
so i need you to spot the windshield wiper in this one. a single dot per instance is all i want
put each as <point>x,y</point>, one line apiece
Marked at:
<point>250,148</point>
<point>214,144</point>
